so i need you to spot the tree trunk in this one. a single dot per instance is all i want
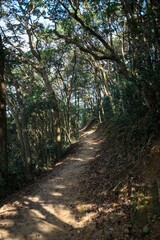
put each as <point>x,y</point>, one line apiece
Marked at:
<point>24,129</point>
<point>3,118</point>
<point>56,113</point>
<point>19,130</point>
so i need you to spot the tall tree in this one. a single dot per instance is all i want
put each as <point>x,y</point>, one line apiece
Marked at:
<point>3,119</point>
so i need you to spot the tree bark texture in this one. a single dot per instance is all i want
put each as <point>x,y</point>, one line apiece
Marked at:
<point>3,118</point>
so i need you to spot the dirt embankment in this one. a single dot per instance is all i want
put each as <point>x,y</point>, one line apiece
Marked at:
<point>124,182</point>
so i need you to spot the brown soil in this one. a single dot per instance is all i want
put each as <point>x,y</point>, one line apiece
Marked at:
<point>52,208</point>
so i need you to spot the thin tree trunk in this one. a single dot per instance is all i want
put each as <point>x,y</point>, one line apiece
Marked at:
<point>56,113</point>
<point>120,92</point>
<point>3,118</point>
<point>24,130</point>
<point>19,130</point>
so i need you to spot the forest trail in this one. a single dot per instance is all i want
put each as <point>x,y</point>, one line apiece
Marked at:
<point>52,209</point>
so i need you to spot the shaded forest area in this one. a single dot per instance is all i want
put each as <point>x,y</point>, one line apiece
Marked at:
<point>63,63</point>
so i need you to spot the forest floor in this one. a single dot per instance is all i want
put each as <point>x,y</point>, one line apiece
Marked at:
<point>90,195</point>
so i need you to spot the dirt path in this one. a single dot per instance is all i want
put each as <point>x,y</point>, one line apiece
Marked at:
<point>53,210</point>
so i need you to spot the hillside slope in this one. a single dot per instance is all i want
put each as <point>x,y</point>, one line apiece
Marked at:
<point>107,188</point>
<point>124,182</point>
